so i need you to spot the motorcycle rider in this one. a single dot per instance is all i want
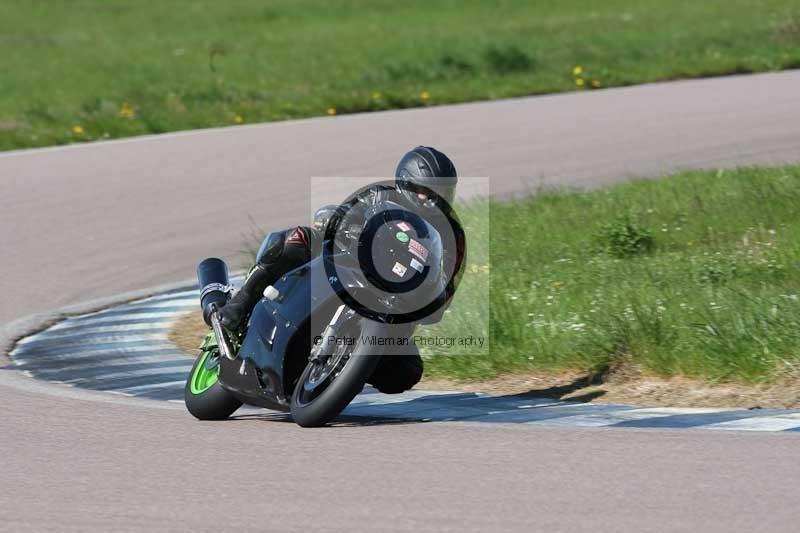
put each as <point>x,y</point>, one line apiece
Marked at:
<point>285,250</point>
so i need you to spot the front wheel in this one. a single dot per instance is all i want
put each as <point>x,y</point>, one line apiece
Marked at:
<point>327,386</point>
<point>204,396</point>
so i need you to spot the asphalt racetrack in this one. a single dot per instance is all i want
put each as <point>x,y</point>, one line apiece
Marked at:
<point>92,221</point>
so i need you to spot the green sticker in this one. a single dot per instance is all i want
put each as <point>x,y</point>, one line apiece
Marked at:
<point>401,236</point>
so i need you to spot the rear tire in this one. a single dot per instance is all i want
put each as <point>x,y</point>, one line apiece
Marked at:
<point>204,396</point>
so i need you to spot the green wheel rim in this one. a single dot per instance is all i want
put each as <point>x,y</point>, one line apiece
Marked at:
<point>202,377</point>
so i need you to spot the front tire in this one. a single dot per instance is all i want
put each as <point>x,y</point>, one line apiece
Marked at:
<point>204,396</point>
<point>311,407</point>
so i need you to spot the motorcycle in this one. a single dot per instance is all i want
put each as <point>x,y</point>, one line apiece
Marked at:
<point>315,338</point>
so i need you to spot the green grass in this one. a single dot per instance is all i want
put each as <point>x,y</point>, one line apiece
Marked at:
<point>93,69</point>
<point>695,275</point>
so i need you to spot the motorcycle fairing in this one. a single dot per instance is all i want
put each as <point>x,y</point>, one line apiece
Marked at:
<point>278,335</point>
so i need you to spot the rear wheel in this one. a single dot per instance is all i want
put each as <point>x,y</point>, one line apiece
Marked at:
<point>204,396</point>
<point>329,384</point>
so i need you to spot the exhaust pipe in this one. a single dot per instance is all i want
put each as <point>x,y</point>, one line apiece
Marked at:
<point>212,275</point>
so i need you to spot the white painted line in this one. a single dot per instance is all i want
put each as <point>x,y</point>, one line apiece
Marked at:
<point>119,337</point>
<point>140,388</point>
<point>183,295</point>
<point>133,307</point>
<point>117,359</point>
<point>72,332</point>
<point>600,419</point>
<point>154,372</point>
<point>164,303</point>
<point>384,399</point>
<point>687,410</point>
<point>24,358</point>
<point>765,423</point>
<point>74,322</point>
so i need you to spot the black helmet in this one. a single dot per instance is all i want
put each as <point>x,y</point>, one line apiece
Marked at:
<point>430,168</point>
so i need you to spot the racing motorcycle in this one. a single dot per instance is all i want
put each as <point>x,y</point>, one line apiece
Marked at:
<point>318,333</point>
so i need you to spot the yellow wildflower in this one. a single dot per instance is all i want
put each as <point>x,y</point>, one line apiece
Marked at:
<point>424,95</point>
<point>77,130</point>
<point>376,96</point>
<point>579,82</point>
<point>331,111</point>
<point>474,268</point>
<point>577,71</point>
<point>127,111</point>
<point>596,84</point>
<point>238,119</point>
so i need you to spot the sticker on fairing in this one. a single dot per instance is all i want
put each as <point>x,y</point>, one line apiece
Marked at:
<point>399,269</point>
<point>402,226</point>
<point>417,249</point>
<point>401,236</point>
<point>416,265</point>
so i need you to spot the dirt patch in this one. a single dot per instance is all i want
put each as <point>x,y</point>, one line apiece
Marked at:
<point>632,389</point>
<point>188,331</point>
<point>624,385</point>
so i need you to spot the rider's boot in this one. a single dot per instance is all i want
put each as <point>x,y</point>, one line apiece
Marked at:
<point>234,313</point>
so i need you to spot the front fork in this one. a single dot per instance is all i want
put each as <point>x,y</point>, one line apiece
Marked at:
<point>317,356</point>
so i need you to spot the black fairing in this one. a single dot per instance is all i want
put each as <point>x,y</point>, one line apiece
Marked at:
<point>278,341</point>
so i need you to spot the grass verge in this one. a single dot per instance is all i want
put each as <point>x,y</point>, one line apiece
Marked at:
<point>695,275</point>
<point>95,69</point>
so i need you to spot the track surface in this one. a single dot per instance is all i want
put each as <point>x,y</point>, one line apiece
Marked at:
<point>90,221</point>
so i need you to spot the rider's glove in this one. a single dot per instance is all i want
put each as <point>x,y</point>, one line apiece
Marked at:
<point>232,315</point>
